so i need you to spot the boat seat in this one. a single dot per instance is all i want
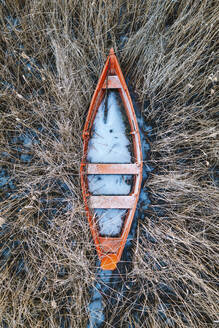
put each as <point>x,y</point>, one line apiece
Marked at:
<point>112,82</point>
<point>112,168</point>
<point>112,201</point>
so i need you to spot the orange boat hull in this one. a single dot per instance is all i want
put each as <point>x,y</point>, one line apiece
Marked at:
<point>110,249</point>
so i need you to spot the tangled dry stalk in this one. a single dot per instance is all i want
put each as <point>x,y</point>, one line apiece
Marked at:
<point>51,54</point>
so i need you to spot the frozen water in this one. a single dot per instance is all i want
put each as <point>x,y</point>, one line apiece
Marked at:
<point>27,142</point>
<point>116,184</point>
<point>109,143</point>
<point>94,310</point>
<point>3,181</point>
<point>25,158</point>
<point>110,221</point>
<point>96,313</point>
<point>96,306</point>
<point>144,201</point>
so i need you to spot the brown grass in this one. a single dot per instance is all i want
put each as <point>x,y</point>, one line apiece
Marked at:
<point>168,51</point>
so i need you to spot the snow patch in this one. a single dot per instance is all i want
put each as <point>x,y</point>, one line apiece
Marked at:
<point>110,221</point>
<point>109,143</point>
<point>116,184</point>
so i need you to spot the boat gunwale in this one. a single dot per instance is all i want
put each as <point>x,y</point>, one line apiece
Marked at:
<point>97,98</point>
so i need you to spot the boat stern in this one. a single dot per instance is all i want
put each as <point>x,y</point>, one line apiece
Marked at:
<point>109,262</point>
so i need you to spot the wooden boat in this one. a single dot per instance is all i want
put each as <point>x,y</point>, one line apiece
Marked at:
<point>110,248</point>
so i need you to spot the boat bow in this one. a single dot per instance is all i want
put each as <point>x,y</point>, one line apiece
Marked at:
<point>109,248</point>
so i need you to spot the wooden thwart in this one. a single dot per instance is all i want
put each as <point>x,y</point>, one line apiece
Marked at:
<point>112,169</point>
<point>112,201</point>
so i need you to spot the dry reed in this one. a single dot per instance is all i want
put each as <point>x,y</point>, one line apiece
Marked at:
<point>51,54</point>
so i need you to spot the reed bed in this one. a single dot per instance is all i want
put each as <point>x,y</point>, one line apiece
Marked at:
<point>51,55</point>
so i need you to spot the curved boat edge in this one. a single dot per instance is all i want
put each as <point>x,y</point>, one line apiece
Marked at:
<point>110,258</point>
<point>109,262</point>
